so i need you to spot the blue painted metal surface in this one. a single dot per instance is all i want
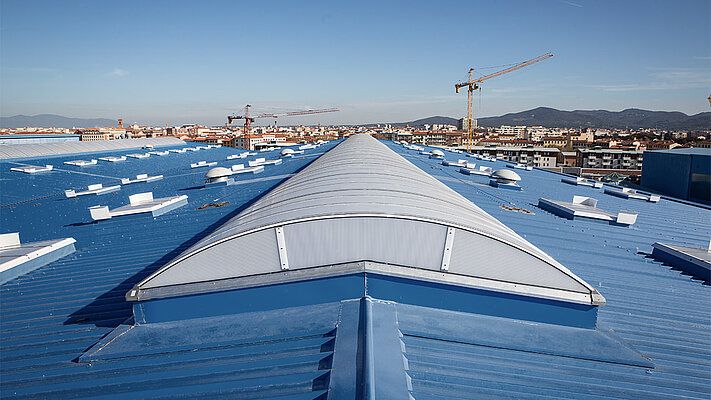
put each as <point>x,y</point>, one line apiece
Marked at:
<point>51,316</point>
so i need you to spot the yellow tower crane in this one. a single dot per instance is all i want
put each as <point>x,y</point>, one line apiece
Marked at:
<point>473,85</point>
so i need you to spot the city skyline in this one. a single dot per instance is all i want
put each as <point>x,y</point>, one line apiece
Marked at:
<point>177,62</point>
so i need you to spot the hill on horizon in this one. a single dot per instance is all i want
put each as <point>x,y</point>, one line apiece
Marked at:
<point>552,118</point>
<point>53,121</point>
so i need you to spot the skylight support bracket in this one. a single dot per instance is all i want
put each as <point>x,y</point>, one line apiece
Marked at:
<point>281,243</point>
<point>448,244</point>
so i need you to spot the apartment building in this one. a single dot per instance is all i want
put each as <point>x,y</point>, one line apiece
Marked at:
<point>609,159</point>
<point>536,156</point>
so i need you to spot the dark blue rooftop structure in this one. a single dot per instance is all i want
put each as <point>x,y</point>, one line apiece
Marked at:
<point>357,269</point>
<point>682,173</point>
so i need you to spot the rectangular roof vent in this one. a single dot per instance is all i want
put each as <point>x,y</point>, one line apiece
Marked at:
<point>484,171</point>
<point>159,153</point>
<point>582,182</point>
<point>140,203</point>
<point>627,193</point>
<point>241,155</point>
<point>201,164</point>
<point>32,169</point>
<point>264,161</point>
<point>585,207</point>
<point>141,178</point>
<point>81,163</point>
<point>139,155</point>
<point>459,163</point>
<point>183,150</point>
<point>113,158</point>
<point>240,169</point>
<point>520,166</point>
<point>93,189</point>
<point>17,259</point>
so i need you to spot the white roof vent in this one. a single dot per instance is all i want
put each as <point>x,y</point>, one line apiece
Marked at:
<point>93,189</point>
<point>139,155</point>
<point>140,203</point>
<point>218,175</point>
<point>264,161</point>
<point>113,158</point>
<point>32,169</point>
<point>582,182</point>
<point>459,163</point>
<point>585,207</point>
<point>482,170</point>
<point>627,193</point>
<point>201,164</point>
<point>81,163</point>
<point>436,154</point>
<point>520,166</point>
<point>141,178</point>
<point>505,178</point>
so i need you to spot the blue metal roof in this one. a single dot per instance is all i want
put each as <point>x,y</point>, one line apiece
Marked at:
<point>50,317</point>
<point>687,151</point>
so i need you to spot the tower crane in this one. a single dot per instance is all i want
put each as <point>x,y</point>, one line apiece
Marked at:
<point>249,119</point>
<point>472,84</point>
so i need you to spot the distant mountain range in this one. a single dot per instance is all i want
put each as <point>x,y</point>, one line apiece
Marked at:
<point>550,117</point>
<point>53,121</point>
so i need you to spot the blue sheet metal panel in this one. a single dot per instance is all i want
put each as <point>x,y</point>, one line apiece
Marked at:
<point>657,310</point>
<point>50,316</point>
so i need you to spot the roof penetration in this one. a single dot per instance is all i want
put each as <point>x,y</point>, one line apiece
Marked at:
<point>389,211</point>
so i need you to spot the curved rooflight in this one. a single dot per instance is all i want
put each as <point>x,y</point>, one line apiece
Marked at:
<point>361,201</point>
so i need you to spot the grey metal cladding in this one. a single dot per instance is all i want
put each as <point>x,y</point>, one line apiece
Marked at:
<point>361,201</point>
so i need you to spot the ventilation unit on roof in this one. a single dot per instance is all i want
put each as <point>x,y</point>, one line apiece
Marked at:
<point>585,207</point>
<point>191,149</point>
<point>482,170</point>
<point>505,179</point>
<point>241,155</point>
<point>627,193</point>
<point>437,154</point>
<point>140,203</point>
<point>201,164</point>
<point>113,158</point>
<point>308,146</point>
<point>582,182</point>
<point>692,260</point>
<point>159,153</point>
<point>459,163</point>
<point>81,163</point>
<point>290,152</point>
<point>32,169</point>
<point>264,161</point>
<point>219,176</point>
<point>240,169</point>
<point>97,189</point>
<point>141,178</point>
<point>177,150</point>
<point>17,258</point>
<point>138,155</point>
<point>520,166</point>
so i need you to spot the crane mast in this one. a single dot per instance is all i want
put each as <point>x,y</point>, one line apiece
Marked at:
<point>472,85</point>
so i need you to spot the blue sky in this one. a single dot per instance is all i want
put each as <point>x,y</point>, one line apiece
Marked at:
<point>158,62</point>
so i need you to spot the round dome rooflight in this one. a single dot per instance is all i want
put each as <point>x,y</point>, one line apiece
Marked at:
<point>217,174</point>
<point>287,152</point>
<point>506,176</point>
<point>437,153</point>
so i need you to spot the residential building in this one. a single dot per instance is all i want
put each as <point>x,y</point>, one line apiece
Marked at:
<point>609,159</point>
